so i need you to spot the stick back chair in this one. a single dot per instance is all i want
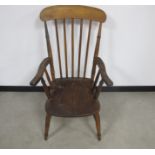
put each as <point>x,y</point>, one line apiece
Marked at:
<point>72,94</point>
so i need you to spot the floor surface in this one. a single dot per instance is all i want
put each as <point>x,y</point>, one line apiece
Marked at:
<point>128,121</point>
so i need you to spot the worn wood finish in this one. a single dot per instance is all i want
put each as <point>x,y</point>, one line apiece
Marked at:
<point>75,11</point>
<point>72,96</point>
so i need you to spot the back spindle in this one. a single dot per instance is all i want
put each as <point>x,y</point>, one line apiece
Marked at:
<point>48,77</point>
<point>72,36</point>
<point>65,47</point>
<point>49,49</point>
<point>58,47</point>
<point>98,40</point>
<point>80,43</point>
<point>96,50</point>
<point>96,80</point>
<point>87,49</point>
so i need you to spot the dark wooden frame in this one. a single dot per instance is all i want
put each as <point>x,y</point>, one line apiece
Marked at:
<point>86,85</point>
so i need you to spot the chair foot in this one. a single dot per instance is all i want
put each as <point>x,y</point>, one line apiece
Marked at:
<point>99,137</point>
<point>45,138</point>
<point>98,127</point>
<point>47,125</point>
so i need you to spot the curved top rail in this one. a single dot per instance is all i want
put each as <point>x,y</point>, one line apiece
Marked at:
<point>72,11</point>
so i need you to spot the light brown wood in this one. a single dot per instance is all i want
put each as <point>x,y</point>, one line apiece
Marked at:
<point>58,47</point>
<point>65,46</point>
<point>80,43</point>
<point>87,49</point>
<point>72,11</point>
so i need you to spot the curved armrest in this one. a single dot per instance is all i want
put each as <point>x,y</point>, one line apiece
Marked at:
<point>101,65</point>
<point>40,72</point>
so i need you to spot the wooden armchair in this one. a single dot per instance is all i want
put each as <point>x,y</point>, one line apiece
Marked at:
<point>72,95</point>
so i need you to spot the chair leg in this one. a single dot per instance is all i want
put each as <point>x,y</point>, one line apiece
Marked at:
<point>47,124</point>
<point>98,127</point>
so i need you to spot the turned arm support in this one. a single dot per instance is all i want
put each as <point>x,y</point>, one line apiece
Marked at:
<point>40,72</point>
<point>101,72</point>
<point>99,62</point>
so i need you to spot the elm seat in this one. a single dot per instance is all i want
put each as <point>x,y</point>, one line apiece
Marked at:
<point>62,104</point>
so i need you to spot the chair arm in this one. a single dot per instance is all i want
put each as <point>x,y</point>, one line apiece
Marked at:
<point>40,72</point>
<point>101,65</point>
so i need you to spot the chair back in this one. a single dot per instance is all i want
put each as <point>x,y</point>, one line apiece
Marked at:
<point>73,36</point>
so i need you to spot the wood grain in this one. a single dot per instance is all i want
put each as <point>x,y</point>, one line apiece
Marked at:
<point>72,11</point>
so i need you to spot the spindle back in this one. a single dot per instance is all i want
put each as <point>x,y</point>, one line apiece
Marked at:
<point>67,17</point>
